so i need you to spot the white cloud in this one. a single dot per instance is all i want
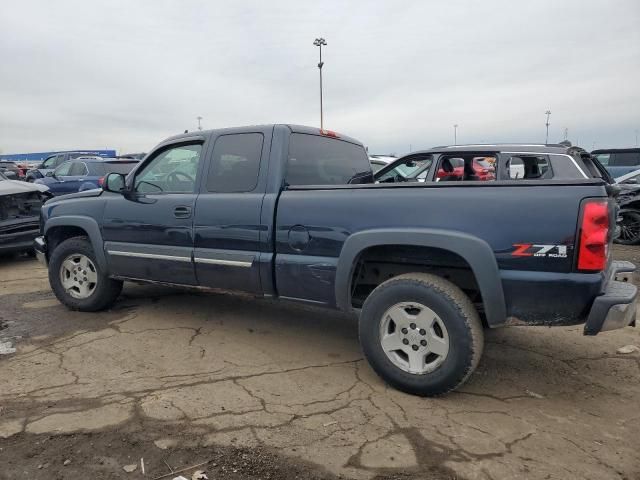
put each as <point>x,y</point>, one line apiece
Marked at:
<point>77,74</point>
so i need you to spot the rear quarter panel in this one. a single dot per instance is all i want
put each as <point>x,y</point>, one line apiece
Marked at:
<point>504,216</point>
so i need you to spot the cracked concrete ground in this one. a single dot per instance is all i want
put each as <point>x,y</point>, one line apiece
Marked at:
<point>199,370</point>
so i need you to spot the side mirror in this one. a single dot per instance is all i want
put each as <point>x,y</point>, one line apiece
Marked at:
<point>114,182</point>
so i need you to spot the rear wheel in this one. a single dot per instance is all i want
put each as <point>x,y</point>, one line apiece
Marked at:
<point>421,334</point>
<point>629,228</point>
<point>77,279</point>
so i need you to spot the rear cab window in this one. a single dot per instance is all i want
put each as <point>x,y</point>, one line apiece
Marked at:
<point>319,160</point>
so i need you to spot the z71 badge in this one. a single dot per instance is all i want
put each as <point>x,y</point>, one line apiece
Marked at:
<point>536,250</point>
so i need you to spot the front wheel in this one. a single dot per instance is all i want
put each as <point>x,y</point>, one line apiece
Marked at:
<point>77,279</point>
<point>629,228</point>
<point>421,334</point>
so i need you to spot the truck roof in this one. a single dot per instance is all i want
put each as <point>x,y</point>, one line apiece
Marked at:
<point>252,128</point>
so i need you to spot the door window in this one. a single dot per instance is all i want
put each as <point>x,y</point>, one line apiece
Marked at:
<point>529,167</point>
<point>172,170</point>
<point>78,169</point>
<point>50,162</point>
<point>63,170</point>
<point>466,167</point>
<point>236,163</point>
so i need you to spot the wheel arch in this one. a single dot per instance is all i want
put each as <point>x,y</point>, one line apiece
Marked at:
<point>74,224</point>
<point>475,251</point>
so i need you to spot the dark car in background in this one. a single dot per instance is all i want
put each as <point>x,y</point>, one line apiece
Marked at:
<point>20,204</point>
<point>628,200</point>
<point>618,161</point>
<point>51,163</point>
<point>84,173</point>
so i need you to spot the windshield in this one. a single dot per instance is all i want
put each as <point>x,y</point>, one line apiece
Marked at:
<point>405,170</point>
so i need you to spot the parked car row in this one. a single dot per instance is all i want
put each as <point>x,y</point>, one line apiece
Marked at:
<point>493,162</point>
<point>618,161</point>
<point>83,173</point>
<point>20,201</point>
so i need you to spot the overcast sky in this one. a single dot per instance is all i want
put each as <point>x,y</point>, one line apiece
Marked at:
<point>126,74</point>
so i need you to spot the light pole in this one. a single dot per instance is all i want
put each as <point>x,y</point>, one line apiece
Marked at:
<point>548,114</point>
<point>319,42</point>
<point>199,124</point>
<point>455,134</point>
<point>636,137</point>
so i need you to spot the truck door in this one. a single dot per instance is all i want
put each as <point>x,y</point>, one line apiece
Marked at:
<point>149,235</point>
<point>230,242</point>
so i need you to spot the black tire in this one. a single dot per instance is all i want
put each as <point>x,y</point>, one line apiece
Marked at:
<point>106,290</point>
<point>629,228</point>
<point>455,311</point>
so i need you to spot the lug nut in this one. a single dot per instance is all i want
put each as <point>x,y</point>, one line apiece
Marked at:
<point>405,341</point>
<point>423,343</point>
<point>413,326</point>
<point>415,347</point>
<point>423,331</point>
<point>404,330</point>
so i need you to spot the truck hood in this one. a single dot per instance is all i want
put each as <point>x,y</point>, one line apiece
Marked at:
<point>11,187</point>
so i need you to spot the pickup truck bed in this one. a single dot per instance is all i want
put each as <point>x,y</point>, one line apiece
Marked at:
<point>425,265</point>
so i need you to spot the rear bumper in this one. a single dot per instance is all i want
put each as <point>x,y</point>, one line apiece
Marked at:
<point>40,246</point>
<point>616,308</point>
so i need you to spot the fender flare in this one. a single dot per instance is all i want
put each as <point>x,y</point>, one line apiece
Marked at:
<point>475,251</point>
<point>89,225</point>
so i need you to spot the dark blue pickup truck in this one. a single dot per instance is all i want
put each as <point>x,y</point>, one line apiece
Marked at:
<point>295,213</point>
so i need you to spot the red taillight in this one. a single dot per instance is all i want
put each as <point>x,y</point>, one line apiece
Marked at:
<point>101,182</point>
<point>594,236</point>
